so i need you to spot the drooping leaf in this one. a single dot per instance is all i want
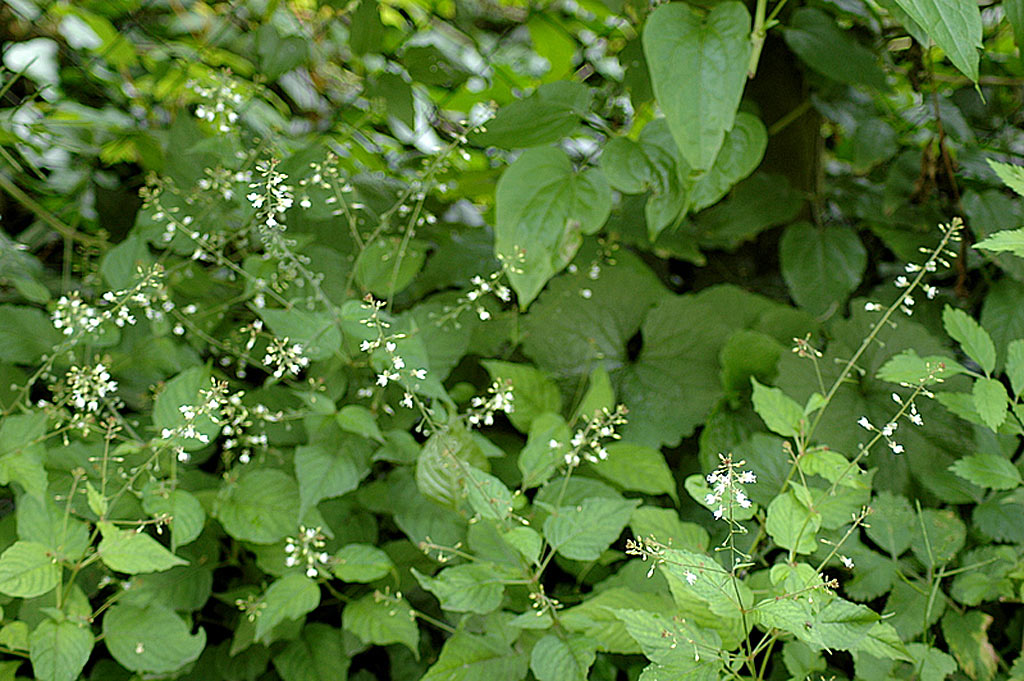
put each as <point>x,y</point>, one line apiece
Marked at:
<point>988,470</point>
<point>821,266</point>
<point>544,207</point>
<point>971,336</point>
<point>954,25</point>
<point>150,639</point>
<point>709,54</point>
<point>822,45</point>
<point>134,552</point>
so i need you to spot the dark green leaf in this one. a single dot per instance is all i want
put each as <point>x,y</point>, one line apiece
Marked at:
<point>821,266</point>
<point>815,38</point>
<point>150,639</point>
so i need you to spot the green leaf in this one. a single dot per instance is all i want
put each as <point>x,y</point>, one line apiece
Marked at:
<point>665,525</point>
<point>829,50</point>
<point>1015,366</point>
<point>261,507</point>
<point>971,336</point>
<point>22,452</point>
<point>698,66</point>
<point>526,541</point>
<point>466,657</point>
<point>318,654</point>
<point>543,208</point>
<point>549,114</point>
<point>990,401</point>
<point>289,597</point>
<point>533,392</point>
<point>367,31</point>
<point>488,495</point>
<point>821,266</point>
<point>626,165</point>
<point>389,265</point>
<point>382,620</point>
<point>669,642</point>
<point>954,25</point>
<point>182,390</point>
<point>779,412</point>
<point>439,475</point>
<point>355,418</point>
<point>1002,315</point>
<point>555,659</point>
<point>939,536</point>
<point>892,523</point>
<point>317,333</point>
<point>120,266</point>
<point>967,637</point>
<point>41,519</point>
<point>27,569</point>
<point>933,664</point>
<point>600,395</point>
<point>585,531</point>
<point>637,468</point>
<point>741,153</point>
<point>538,460</point>
<point>150,639</point>
<point>1011,240</point>
<point>474,587</point>
<point>792,525</point>
<point>748,354</point>
<point>59,650</point>
<point>1011,175</point>
<point>134,552</point>
<point>324,474</point>
<point>361,563</point>
<point>908,367</point>
<point>186,513</point>
<point>26,334</point>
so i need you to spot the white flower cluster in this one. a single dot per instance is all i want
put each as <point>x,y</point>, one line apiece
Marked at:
<point>307,548</point>
<point>587,443</point>
<point>285,357</point>
<point>481,287</point>
<point>500,398</point>
<point>236,420</point>
<point>222,181</point>
<point>908,408</point>
<point>936,257</point>
<point>395,370</point>
<point>219,107</point>
<point>274,197</point>
<point>212,400</point>
<point>726,490</point>
<point>72,316</point>
<point>86,387</point>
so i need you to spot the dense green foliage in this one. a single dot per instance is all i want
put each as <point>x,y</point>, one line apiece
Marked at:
<point>403,339</point>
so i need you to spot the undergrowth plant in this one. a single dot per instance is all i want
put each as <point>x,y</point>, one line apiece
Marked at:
<point>447,341</point>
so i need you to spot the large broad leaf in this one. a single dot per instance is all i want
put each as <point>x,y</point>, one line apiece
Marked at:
<point>43,520</point>
<point>698,65</point>
<point>323,473</point>
<point>547,115</point>
<point>741,153</point>
<point>636,468</point>
<point>543,208</point>
<point>815,38</point>
<point>318,654</point>
<point>583,532</point>
<point>533,392</point>
<point>261,507</point>
<point>182,390</point>
<point>289,597</point>
<point>967,636</point>
<point>59,650</point>
<point>22,452</point>
<point>27,570</point>
<point>134,552</point>
<point>954,25</point>
<point>466,656</point>
<point>822,266</point>
<point>317,333</point>
<point>382,620</point>
<point>186,513</point>
<point>474,587</point>
<point>558,659</point>
<point>150,639</point>
<point>25,335</point>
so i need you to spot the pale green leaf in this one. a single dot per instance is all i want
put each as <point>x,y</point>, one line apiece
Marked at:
<point>709,53</point>
<point>908,367</point>
<point>289,597</point>
<point>382,621</point>
<point>134,552</point>
<point>954,25</point>
<point>1011,175</point>
<point>550,113</point>
<point>357,419</point>
<point>27,569</point>
<point>637,468</point>
<point>971,336</point>
<point>990,401</point>
<point>544,207</point>
<point>59,650</point>
<point>792,525</point>
<point>261,507</point>
<point>1011,240</point>
<point>150,639</point>
<point>473,587</point>
<point>779,412</point>
<point>557,659</point>
<point>361,563</point>
<point>585,531</point>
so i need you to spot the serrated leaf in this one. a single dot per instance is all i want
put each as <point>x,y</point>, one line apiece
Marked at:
<point>939,536</point>
<point>967,637</point>
<point>361,563</point>
<point>954,25</point>
<point>466,656</point>
<point>261,507</point>
<point>543,208</point>
<point>821,266</point>
<point>792,524</point>
<point>186,513</point>
<point>150,639</point>
<point>382,621</point>
<point>324,474</point>
<point>1011,175</point>
<point>974,340</point>
<point>40,518</point>
<point>59,650</point>
<point>27,569</point>
<point>709,52</point>
<point>990,401</point>
<point>134,552</point>
<point>474,587</point>
<point>908,367</point>
<point>318,654</point>
<point>636,468</point>
<point>355,418</point>
<point>779,412</point>
<point>933,664</point>
<point>289,597</point>
<point>1015,366</point>
<point>555,659</point>
<point>488,495</point>
<point>1006,240</point>
<point>585,531</point>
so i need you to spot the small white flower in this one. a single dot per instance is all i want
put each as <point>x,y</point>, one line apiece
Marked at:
<point>690,577</point>
<point>865,424</point>
<point>847,561</point>
<point>872,307</point>
<point>896,447</point>
<point>554,444</point>
<point>420,374</point>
